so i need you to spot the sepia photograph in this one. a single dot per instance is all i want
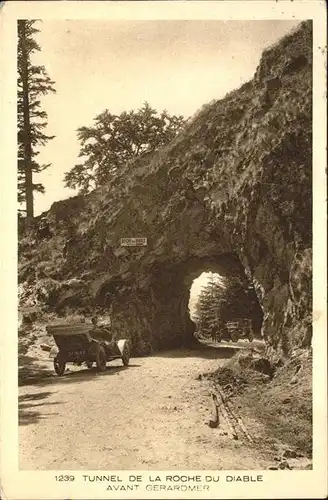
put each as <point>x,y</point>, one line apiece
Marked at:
<point>165,199</point>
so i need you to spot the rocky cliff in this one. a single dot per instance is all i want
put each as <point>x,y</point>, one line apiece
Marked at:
<point>231,194</point>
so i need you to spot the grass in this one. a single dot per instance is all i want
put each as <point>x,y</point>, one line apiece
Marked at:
<point>282,405</point>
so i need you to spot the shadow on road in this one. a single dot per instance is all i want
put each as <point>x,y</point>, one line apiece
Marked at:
<point>222,352</point>
<point>34,396</point>
<point>41,376</point>
<point>86,374</point>
<point>30,369</point>
<point>26,407</point>
<point>210,350</point>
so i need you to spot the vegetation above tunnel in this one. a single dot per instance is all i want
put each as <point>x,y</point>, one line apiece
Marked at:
<point>113,141</point>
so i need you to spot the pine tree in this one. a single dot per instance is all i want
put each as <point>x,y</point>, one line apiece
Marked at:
<point>209,307</point>
<point>33,82</point>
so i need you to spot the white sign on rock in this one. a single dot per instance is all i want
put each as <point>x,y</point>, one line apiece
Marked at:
<point>133,242</point>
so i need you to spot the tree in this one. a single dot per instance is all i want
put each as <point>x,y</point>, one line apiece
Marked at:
<point>33,82</point>
<point>209,307</point>
<point>217,304</point>
<point>114,140</point>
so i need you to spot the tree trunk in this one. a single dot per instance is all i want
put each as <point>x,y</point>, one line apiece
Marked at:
<point>27,132</point>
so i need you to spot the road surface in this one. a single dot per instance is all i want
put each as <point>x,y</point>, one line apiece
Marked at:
<point>153,414</point>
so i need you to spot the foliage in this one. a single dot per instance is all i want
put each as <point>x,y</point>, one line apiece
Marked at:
<point>33,82</point>
<point>114,140</point>
<point>209,307</point>
<point>219,303</point>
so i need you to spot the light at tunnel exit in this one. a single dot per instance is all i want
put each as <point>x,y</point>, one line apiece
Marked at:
<point>197,285</point>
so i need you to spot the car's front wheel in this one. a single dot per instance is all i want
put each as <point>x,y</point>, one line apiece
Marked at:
<point>59,366</point>
<point>126,354</point>
<point>101,359</point>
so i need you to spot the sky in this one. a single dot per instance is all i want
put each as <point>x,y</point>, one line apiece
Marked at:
<point>117,65</point>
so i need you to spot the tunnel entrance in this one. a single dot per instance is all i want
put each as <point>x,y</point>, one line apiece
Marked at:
<point>162,313</point>
<point>155,315</point>
<point>224,308</point>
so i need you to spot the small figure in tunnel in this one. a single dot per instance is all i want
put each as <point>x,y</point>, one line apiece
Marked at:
<point>94,320</point>
<point>213,336</point>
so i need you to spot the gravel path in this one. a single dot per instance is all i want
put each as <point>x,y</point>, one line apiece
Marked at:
<point>151,415</point>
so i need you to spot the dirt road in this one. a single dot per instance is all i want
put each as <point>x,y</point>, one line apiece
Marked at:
<point>152,415</point>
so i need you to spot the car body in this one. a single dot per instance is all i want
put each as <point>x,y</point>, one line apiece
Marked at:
<point>240,329</point>
<point>86,343</point>
<point>232,331</point>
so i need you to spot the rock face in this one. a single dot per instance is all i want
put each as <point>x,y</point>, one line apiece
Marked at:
<point>231,194</point>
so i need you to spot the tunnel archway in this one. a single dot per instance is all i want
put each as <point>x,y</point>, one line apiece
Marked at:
<point>157,316</point>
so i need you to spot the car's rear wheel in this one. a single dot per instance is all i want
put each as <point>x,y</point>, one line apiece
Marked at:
<point>59,366</point>
<point>126,355</point>
<point>89,364</point>
<point>101,360</point>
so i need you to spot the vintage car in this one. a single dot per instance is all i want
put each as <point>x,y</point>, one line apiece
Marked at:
<point>232,331</point>
<point>240,329</point>
<point>85,343</point>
